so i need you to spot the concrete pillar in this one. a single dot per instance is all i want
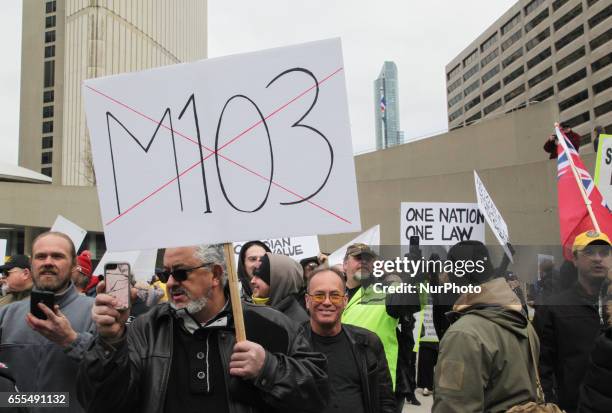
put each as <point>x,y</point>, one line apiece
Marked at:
<point>28,237</point>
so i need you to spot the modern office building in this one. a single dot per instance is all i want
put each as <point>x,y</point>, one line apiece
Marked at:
<point>386,108</point>
<point>538,50</point>
<point>63,43</point>
<point>67,41</point>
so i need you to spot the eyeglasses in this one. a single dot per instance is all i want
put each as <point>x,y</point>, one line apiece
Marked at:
<point>319,298</point>
<point>179,274</point>
<point>601,250</point>
<point>6,273</point>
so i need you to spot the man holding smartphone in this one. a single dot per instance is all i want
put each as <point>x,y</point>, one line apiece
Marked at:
<point>183,356</point>
<point>44,354</point>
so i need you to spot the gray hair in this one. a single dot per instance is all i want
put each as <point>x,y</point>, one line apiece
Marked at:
<point>214,254</point>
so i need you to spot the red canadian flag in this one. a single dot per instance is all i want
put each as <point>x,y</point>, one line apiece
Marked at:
<point>581,206</point>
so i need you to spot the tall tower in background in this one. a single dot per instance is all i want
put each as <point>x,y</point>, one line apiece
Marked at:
<point>67,41</point>
<point>386,108</point>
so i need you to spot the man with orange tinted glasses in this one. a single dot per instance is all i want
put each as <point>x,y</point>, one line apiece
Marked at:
<point>357,367</point>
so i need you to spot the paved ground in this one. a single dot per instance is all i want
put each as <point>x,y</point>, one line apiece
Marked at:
<point>425,407</point>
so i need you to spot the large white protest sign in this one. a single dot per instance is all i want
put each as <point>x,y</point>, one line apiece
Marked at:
<point>603,168</point>
<point>295,247</point>
<point>233,148</point>
<point>142,263</point>
<point>492,215</point>
<point>2,249</point>
<point>76,233</point>
<point>370,237</point>
<point>441,223</point>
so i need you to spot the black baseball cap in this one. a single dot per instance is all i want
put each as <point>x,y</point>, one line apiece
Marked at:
<point>16,261</point>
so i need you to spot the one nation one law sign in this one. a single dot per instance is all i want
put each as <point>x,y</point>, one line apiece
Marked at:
<point>241,147</point>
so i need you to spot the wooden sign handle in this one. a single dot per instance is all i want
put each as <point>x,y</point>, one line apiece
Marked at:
<point>234,287</point>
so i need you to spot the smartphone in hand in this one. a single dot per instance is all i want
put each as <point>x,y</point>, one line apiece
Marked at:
<point>45,297</point>
<point>117,278</point>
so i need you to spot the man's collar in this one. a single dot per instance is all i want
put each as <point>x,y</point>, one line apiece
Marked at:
<point>190,324</point>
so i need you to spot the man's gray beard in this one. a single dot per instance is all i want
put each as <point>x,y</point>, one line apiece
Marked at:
<point>194,306</point>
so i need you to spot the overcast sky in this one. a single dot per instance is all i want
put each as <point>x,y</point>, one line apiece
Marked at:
<point>420,37</point>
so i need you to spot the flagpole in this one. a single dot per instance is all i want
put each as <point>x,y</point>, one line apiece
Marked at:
<point>587,201</point>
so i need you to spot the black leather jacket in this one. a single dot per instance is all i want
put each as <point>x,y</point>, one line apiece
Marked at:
<point>134,377</point>
<point>369,354</point>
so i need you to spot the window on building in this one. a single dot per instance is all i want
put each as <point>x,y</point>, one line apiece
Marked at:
<point>472,57</point>
<point>601,62</point>
<point>489,58</point>
<point>601,39</point>
<point>533,23</point>
<point>571,58</point>
<point>47,111</point>
<point>545,94</point>
<point>603,85</point>
<point>47,142</point>
<point>474,86</point>
<point>539,58</point>
<point>514,93</point>
<point>544,34</point>
<point>516,73</point>
<point>591,2</point>
<point>511,40</point>
<point>601,16</point>
<point>46,157</point>
<point>472,103</point>
<point>568,17</point>
<point>50,36</point>
<point>540,77</point>
<point>490,108</point>
<point>557,4</point>
<point>490,74</point>
<point>473,118</point>
<point>471,72</point>
<point>49,51</point>
<point>48,96</point>
<point>511,23</point>
<point>571,79</point>
<point>488,43</point>
<point>49,22</point>
<point>512,58</point>
<point>578,120</point>
<point>491,90</point>
<point>455,114</point>
<point>454,85</point>
<point>50,7</point>
<point>531,6</point>
<point>603,109</point>
<point>573,100</point>
<point>454,100</point>
<point>454,71</point>
<point>47,126</point>
<point>515,108</point>
<point>570,37</point>
<point>49,73</point>
<point>46,171</point>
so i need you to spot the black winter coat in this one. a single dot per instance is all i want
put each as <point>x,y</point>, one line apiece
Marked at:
<point>596,391</point>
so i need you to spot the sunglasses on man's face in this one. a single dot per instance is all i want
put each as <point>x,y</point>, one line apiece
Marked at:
<point>334,297</point>
<point>593,250</point>
<point>179,274</point>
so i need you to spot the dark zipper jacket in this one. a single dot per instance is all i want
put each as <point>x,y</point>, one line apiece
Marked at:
<point>133,377</point>
<point>369,355</point>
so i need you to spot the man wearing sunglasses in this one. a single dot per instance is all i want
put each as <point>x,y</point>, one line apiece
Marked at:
<point>18,277</point>
<point>183,356</point>
<point>357,367</point>
<point>570,322</point>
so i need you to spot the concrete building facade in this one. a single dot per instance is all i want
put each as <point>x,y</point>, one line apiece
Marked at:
<point>68,41</point>
<point>538,50</point>
<point>386,108</point>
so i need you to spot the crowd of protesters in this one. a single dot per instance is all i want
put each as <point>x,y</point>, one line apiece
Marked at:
<point>319,338</point>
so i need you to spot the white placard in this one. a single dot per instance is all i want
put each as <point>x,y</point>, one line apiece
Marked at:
<point>297,248</point>
<point>371,237</point>
<point>441,223</point>
<point>76,233</point>
<point>239,147</point>
<point>603,168</point>
<point>2,249</point>
<point>492,215</point>
<point>142,263</point>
